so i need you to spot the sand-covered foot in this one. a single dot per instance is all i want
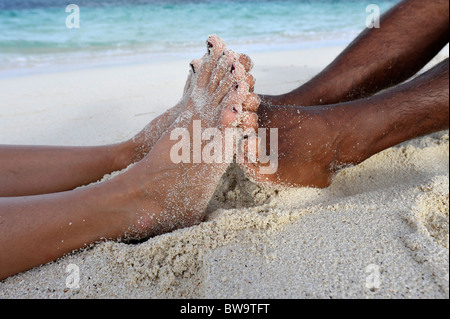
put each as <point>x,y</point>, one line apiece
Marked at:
<point>171,187</point>
<point>147,137</point>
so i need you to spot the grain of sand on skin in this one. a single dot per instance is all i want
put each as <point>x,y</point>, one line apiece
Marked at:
<point>391,211</point>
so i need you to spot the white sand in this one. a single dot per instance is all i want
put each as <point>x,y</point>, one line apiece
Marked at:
<point>379,231</point>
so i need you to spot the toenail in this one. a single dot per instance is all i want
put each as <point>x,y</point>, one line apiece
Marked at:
<point>232,68</point>
<point>235,110</point>
<point>210,45</point>
<point>192,67</point>
<point>236,86</point>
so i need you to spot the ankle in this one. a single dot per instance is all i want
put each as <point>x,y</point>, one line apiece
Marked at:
<point>358,132</point>
<point>124,154</point>
<point>142,205</point>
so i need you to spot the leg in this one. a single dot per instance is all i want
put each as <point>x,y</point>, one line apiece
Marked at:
<point>152,197</point>
<point>315,142</point>
<point>32,170</point>
<point>410,34</point>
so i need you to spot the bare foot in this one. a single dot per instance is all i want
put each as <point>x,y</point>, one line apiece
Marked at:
<point>160,195</point>
<point>315,142</point>
<point>143,142</point>
<point>307,151</point>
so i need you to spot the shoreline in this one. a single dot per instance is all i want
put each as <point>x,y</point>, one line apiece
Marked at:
<point>102,58</point>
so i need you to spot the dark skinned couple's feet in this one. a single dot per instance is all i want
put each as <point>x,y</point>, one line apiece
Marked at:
<point>159,195</point>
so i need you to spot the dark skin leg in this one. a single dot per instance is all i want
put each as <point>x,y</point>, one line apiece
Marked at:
<point>410,35</point>
<point>316,141</point>
<point>32,170</point>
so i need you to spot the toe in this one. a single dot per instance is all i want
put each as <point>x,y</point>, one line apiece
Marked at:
<point>250,81</point>
<point>249,120</point>
<point>230,118</point>
<point>215,46</point>
<point>195,65</point>
<point>251,103</point>
<point>239,93</point>
<point>194,68</point>
<point>230,79</point>
<point>245,60</point>
<point>225,64</point>
<point>232,104</point>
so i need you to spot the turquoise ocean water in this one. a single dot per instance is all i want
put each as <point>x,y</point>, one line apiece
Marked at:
<point>34,34</point>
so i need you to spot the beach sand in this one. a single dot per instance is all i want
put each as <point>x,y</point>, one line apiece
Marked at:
<point>379,231</point>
